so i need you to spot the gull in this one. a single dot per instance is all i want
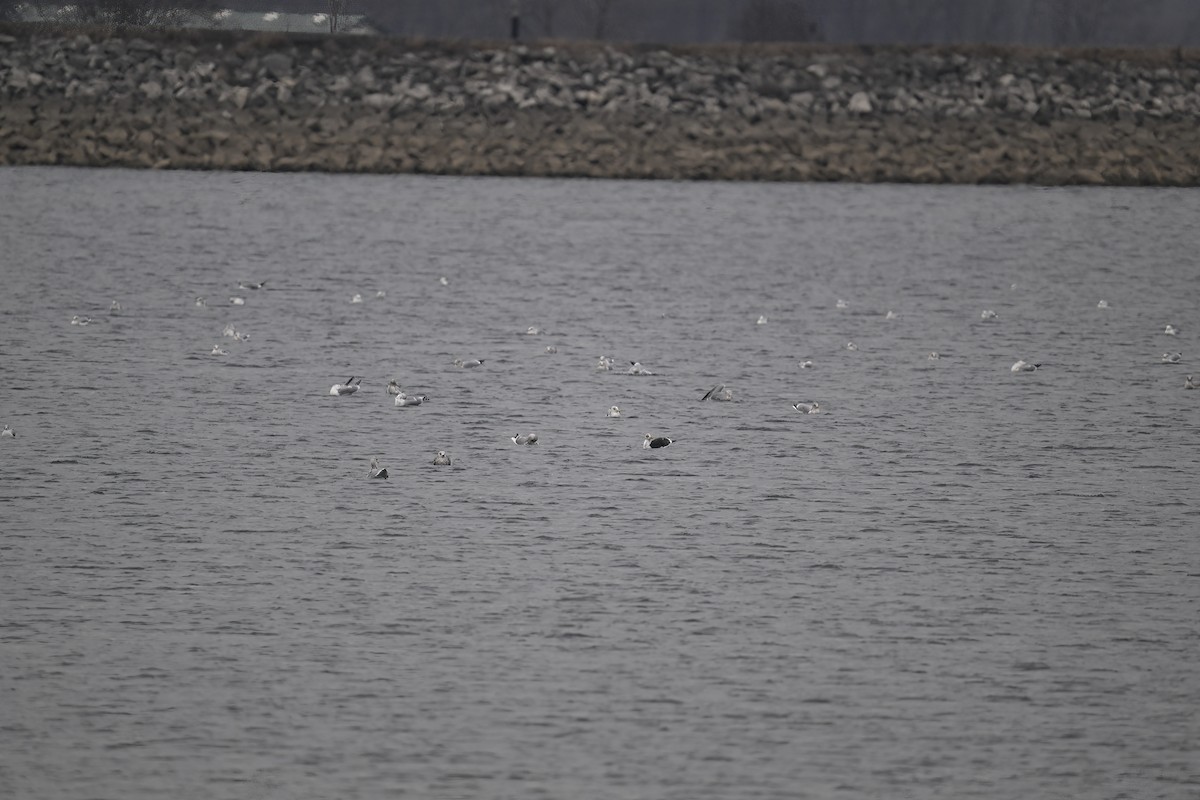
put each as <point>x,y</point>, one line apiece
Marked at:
<point>762,319</point>
<point>444,281</point>
<point>529,438</point>
<point>114,307</point>
<point>1102,304</point>
<point>376,472</point>
<point>1172,358</point>
<point>1170,330</point>
<point>636,368</point>
<point>403,399</point>
<point>1023,366</point>
<point>605,363</point>
<point>349,387</point>
<point>934,355</point>
<point>718,393</point>
<point>9,431</point>
<point>475,362</point>
<point>987,313</point>
<point>78,320</point>
<point>551,349</point>
<point>533,330</point>
<point>393,387</point>
<point>380,293</point>
<point>255,286</point>
<point>441,459</point>
<point>219,351</point>
<point>613,411</point>
<point>851,346</point>
<point>1187,384</point>
<point>806,364</point>
<point>655,442</point>
<point>237,301</point>
<point>356,299</point>
<point>808,408</point>
<point>890,315</point>
<point>200,302</point>
<point>841,303</point>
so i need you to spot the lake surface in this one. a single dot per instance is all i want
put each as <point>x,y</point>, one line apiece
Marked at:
<point>957,582</point>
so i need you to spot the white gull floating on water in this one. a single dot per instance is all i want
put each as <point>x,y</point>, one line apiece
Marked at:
<point>718,393</point>
<point>613,411</point>
<point>1023,366</point>
<point>468,364</point>
<point>808,408</point>
<point>114,307</point>
<point>403,399</point>
<point>9,431</point>
<point>528,438</point>
<point>252,285</point>
<point>1172,358</point>
<point>376,472</point>
<point>1169,330</point>
<point>441,459</point>
<point>762,320</point>
<point>393,387</point>
<point>851,346</point>
<point>841,304</point>
<point>655,442</point>
<point>636,368</point>
<point>806,364</point>
<point>349,387</point>
<point>219,351</point>
<point>987,313</point>
<point>78,320</point>
<point>237,301</point>
<point>605,363</point>
<point>1102,304</point>
<point>1187,384</point>
<point>934,355</point>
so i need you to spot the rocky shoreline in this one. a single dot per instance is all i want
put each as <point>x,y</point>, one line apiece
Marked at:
<point>794,113</point>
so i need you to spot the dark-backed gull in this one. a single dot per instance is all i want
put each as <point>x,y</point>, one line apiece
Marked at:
<point>376,472</point>
<point>655,442</point>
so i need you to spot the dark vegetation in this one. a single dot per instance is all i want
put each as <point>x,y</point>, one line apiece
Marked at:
<point>1133,23</point>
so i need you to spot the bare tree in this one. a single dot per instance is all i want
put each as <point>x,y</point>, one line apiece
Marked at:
<point>775,21</point>
<point>597,16</point>
<point>1076,21</point>
<point>544,13</point>
<point>337,9</point>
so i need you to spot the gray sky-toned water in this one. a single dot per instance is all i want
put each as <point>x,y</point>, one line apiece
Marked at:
<point>958,581</point>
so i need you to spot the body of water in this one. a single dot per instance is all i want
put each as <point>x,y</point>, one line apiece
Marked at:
<point>956,582</point>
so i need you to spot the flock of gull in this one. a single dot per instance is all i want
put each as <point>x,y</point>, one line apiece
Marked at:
<point>718,393</point>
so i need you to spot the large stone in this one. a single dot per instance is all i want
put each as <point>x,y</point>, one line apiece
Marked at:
<point>860,103</point>
<point>277,65</point>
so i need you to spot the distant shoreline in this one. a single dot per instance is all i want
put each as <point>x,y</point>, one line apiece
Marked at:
<point>968,115</point>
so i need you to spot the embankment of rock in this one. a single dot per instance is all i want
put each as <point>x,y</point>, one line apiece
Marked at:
<point>189,101</point>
